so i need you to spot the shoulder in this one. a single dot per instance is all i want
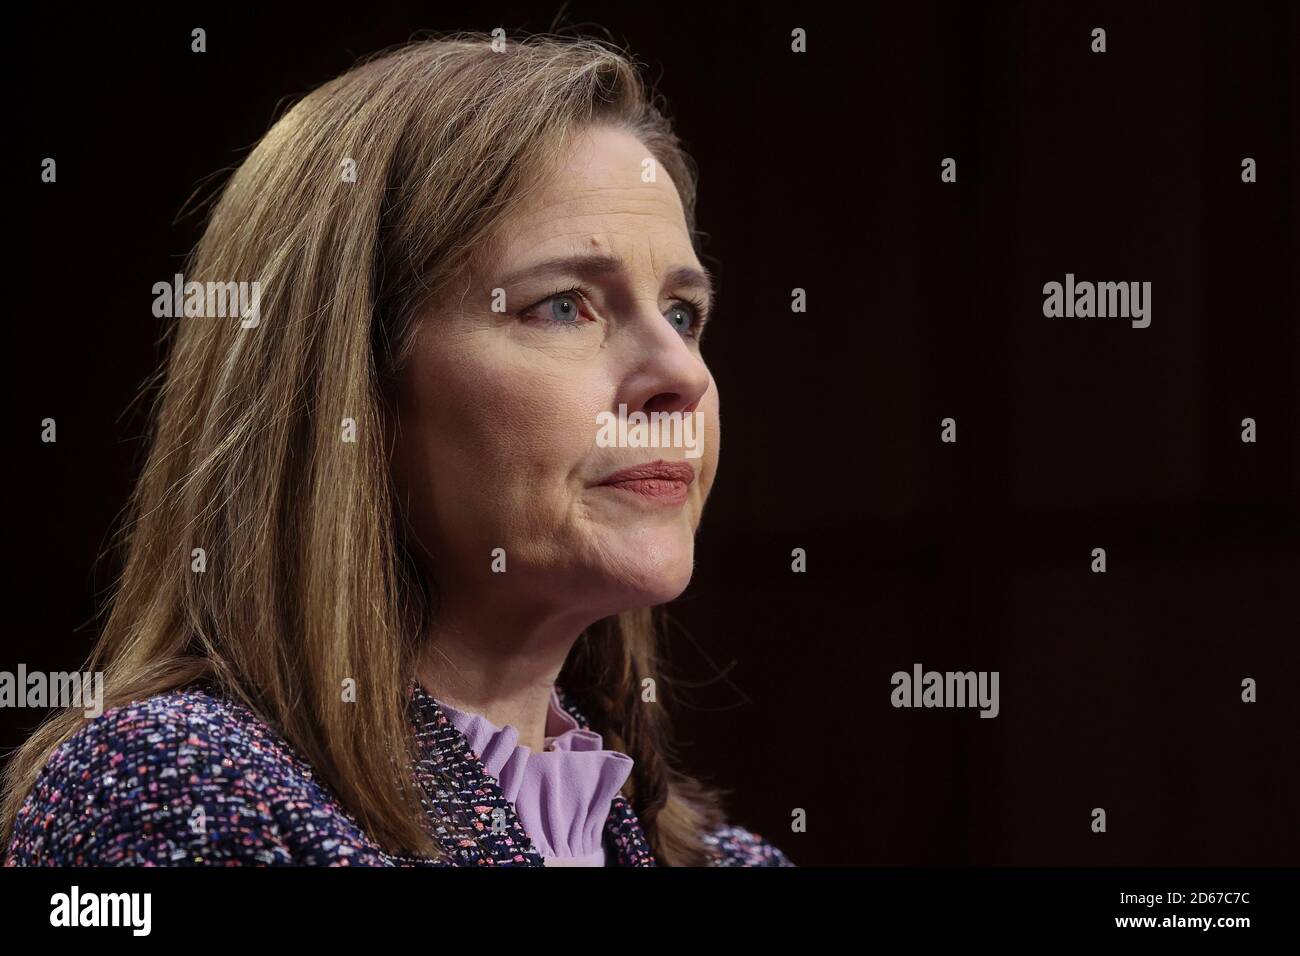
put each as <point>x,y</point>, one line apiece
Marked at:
<point>184,777</point>
<point>736,846</point>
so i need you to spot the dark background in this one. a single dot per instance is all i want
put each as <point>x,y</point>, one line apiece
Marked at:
<point>821,171</point>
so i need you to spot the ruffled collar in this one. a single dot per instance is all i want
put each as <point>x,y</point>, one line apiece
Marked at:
<point>562,794</point>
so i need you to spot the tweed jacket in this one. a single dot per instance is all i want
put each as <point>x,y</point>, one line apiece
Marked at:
<point>190,777</point>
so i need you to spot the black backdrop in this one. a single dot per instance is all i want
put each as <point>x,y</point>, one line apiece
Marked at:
<point>821,171</point>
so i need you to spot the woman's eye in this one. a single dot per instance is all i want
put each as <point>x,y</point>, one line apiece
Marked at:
<point>682,318</point>
<point>562,308</point>
<point>565,308</point>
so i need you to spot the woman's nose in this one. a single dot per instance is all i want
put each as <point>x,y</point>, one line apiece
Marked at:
<point>665,373</point>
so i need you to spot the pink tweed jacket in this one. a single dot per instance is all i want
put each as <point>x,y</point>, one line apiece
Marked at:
<point>192,778</point>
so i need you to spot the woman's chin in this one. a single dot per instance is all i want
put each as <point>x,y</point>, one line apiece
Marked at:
<point>645,580</point>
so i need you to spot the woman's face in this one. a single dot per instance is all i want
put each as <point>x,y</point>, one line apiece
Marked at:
<point>500,442</point>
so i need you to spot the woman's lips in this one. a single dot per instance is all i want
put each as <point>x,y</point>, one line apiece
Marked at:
<point>667,482</point>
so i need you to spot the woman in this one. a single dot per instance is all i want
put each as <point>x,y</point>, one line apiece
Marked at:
<point>387,596</point>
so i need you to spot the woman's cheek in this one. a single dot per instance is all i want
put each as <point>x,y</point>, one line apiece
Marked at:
<point>713,433</point>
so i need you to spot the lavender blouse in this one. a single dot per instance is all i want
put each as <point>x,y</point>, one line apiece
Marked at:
<point>563,793</point>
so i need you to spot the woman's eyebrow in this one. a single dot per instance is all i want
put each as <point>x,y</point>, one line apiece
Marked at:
<point>585,267</point>
<point>592,267</point>
<point>689,277</point>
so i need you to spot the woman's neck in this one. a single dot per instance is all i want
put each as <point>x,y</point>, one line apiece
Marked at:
<point>506,678</point>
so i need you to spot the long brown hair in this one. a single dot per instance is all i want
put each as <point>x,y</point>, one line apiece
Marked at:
<point>309,581</point>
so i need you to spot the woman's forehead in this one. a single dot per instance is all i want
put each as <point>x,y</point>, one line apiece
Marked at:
<point>610,195</point>
<point>604,172</point>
